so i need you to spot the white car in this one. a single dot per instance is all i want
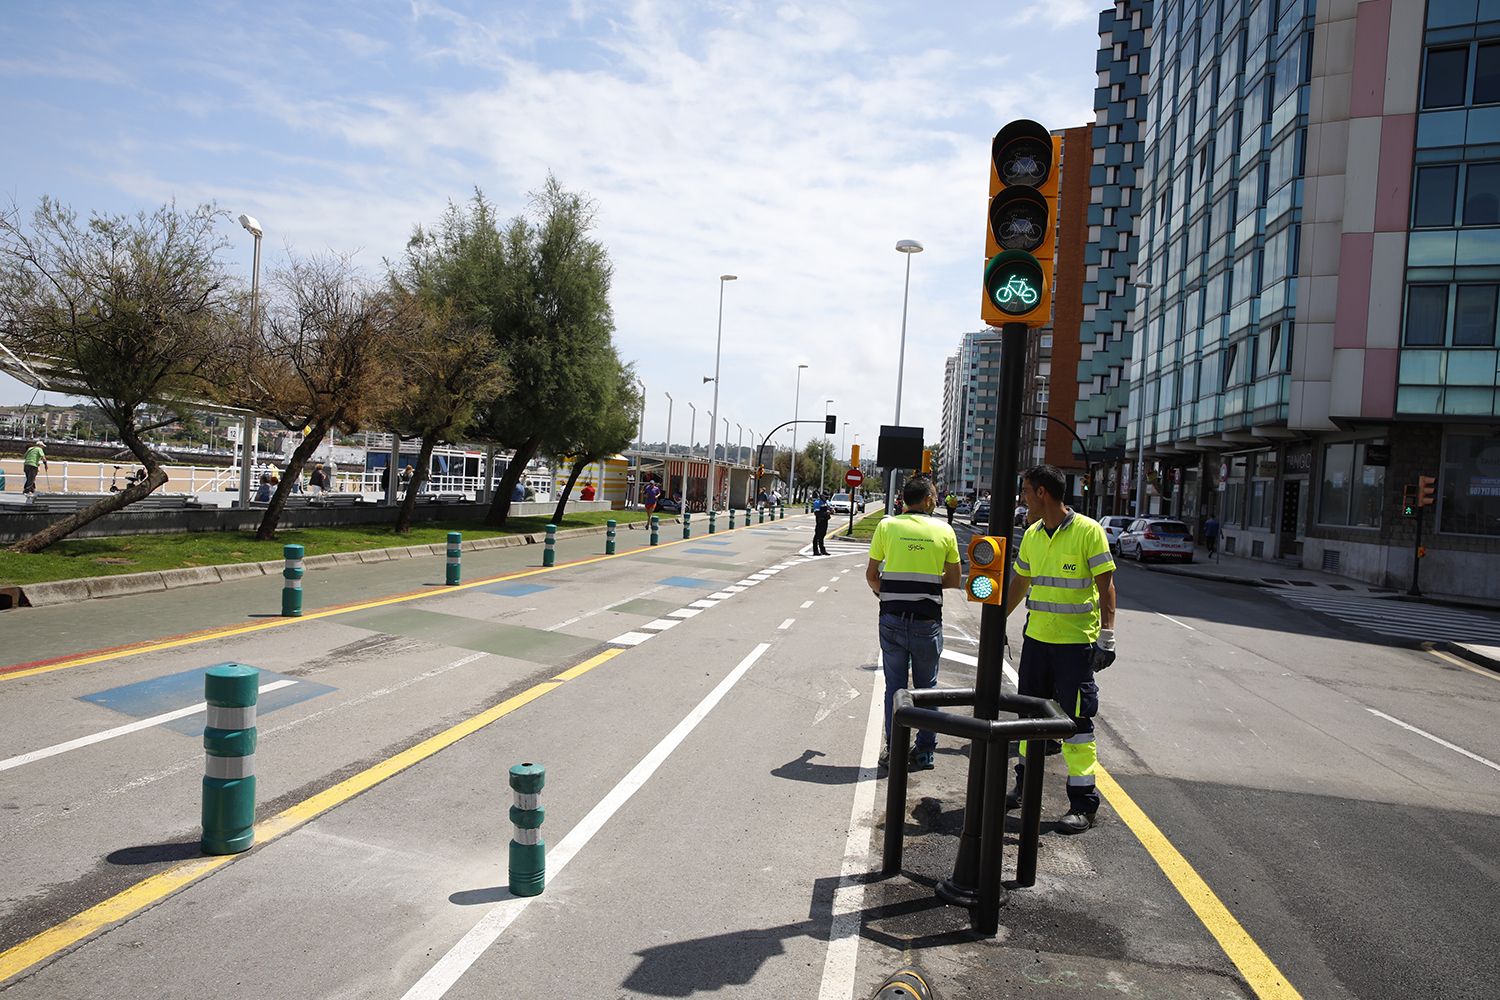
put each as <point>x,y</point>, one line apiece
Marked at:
<point>840,503</point>
<point>1113,526</point>
<point>1156,537</point>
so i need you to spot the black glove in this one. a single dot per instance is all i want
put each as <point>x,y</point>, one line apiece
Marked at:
<point>1104,649</point>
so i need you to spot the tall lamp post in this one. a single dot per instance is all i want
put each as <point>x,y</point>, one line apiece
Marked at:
<point>739,443</point>
<point>713,465</point>
<point>251,423</point>
<point>692,454</point>
<point>823,470</point>
<point>666,465</point>
<point>843,431</point>
<point>791,465</point>
<point>1140,395</point>
<point>907,247</point>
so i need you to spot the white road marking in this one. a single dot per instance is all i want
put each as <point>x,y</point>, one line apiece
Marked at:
<point>705,604</point>
<point>130,727</point>
<point>736,589</point>
<point>722,595</point>
<point>662,624</point>
<point>1174,621</point>
<point>685,613</point>
<point>607,607</point>
<point>841,573</point>
<point>631,638</point>
<point>757,577</point>
<point>1436,739</point>
<point>973,661</point>
<point>806,605</point>
<point>835,579</point>
<point>785,625</point>
<point>849,895</point>
<point>823,589</point>
<point>441,977</point>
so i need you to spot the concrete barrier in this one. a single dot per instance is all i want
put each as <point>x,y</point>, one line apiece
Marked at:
<point>190,577</point>
<point>127,583</point>
<point>45,595</point>
<point>240,571</point>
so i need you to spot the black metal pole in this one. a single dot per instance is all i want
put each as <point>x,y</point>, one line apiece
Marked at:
<point>986,918</point>
<point>1031,812</point>
<point>960,888</point>
<point>1416,554</point>
<point>895,798</point>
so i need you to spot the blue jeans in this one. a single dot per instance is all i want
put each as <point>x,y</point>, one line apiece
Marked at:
<point>909,646</point>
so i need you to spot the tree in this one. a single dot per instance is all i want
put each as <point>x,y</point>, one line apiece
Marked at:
<point>325,357</point>
<point>600,430</point>
<point>128,311</point>
<point>450,370</point>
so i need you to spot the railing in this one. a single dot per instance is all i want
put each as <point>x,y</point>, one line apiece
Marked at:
<point>1044,721</point>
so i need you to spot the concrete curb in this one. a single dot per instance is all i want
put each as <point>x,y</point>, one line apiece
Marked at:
<point>1243,581</point>
<point>1469,653</point>
<point>41,595</point>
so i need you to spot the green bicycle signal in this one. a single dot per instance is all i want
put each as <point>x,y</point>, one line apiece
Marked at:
<point>1013,280</point>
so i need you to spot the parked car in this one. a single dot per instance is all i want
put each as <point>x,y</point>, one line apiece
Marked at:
<point>840,503</point>
<point>1156,537</point>
<point>1113,526</point>
<point>962,508</point>
<point>980,514</point>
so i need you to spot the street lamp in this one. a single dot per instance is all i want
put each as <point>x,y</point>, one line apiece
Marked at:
<point>823,470</point>
<point>1140,388</point>
<point>739,443</point>
<point>692,454</point>
<point>666,465</point>
<point>713,464</point>
<point>251,423</point>
<point>791,476</point>
<point>907,247</point>
<point>842,431</point>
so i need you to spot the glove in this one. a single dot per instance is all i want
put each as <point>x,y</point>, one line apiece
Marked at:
<point>1104,649</point>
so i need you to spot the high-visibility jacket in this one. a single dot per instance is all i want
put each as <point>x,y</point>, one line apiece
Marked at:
<point>1063,602</point>
<point>913,550</point>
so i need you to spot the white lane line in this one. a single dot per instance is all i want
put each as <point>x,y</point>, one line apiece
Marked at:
<point>631,638</point>
<point>841,573</point>
<point>749,582</point>
<point>806,605</point>
<point>823,589</point>
<point>973,661</point>
<point>835,579</point>
<point>441,977</point>
<point>1174,621</point>
<point>1436,739</point>
<point>607,607</point>
<point>722,595</point>
<point>736,589</point>
<point>849,895</point>
<point>685,613</point>
<point>785,625</point>
<point>757,577</point>
<point>704,604</point>
<point>130,727</point>
<point>662,624</point>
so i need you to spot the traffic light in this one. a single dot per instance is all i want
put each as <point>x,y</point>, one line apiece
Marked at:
<point>760,470</point>
<point>986,568</point>
<point>1426,491</point>
<point>926,460</point>
<point>1409,502</point>
<point>1021,227</point>
<point>854,457</point>
<point>830,424</point>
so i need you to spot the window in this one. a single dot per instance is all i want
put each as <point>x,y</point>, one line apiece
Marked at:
<point>1474,316</point>
<point>1482,195</point>
<point>1437,188</point>
<point>1426,315</point>
<point>1487,74</point>
<point>1447,78</point>
<point>1352,491</point>
<point>1469,485</point>
<point>1234,493</point>
<point>1260,506</point>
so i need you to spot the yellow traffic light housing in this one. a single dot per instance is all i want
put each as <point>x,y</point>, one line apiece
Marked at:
<point>1426,491</point>
<point>1021,225</point>
<point>854,456</point>
<point>926,460</point>
<point>986,570</point>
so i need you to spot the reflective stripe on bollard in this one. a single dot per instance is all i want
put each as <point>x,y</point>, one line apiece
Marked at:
<point>455,558</point>
<point>609,538</point>
<point>291,581</point>
<point>711,516</point>
<point>229,739</point>
<point>687,524</point>
<point>731,519</point>
<point>655,528</point>
<point>549,551</point>
<point>528,852</point>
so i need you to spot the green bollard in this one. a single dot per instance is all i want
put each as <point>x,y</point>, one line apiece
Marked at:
<point>731,519</point>
<point>761,515</point>
<point>528,852</point>
<point>711,516</point>
<point>455,557</point>
<point>229,737</point>
<point>609,538</point>
<point>549,549</point>
<point>291,585</point>
<point>655,528</point>
<point>687,524</point>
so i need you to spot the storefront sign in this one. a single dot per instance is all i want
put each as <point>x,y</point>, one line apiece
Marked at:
<point>1378,455</point>
<point>1299,458</point>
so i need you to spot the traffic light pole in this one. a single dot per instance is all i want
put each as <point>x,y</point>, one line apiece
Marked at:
<point>1416,555</point>
<point>962,888</point>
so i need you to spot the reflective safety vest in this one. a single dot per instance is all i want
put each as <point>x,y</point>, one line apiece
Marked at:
<point>1063,602</point>
<point>913,550</point>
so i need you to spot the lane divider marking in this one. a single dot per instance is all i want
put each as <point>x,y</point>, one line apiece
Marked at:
<point>785,625</point>
<point>1436,739</point>
<point>1460,662</point>
<point>806,605</point>
<point>1174,621</point>
<point>1259,971</point>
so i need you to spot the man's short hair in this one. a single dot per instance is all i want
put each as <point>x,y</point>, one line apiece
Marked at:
<point>1047,477</point>
<point>916,490</point>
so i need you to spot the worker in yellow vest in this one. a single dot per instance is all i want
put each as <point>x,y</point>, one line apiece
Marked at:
<point>1065,574</point>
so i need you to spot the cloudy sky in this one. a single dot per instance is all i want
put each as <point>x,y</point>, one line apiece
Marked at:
<point>789,143</point>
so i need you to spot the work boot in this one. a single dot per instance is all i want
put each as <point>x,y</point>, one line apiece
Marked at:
<point>885,757</point>
<point>1075,822</point>
<point>920,760</point>
<point>1012,801</point>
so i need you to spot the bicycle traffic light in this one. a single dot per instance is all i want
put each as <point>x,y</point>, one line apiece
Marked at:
<point>1426,491</point>
<point>1021,228</point>
<point>830,424</point>
<point>986,570</point>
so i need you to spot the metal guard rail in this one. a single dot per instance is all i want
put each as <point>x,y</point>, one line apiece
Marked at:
<point>1042,720</point>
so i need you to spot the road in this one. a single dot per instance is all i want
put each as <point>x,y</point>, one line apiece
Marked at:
<point>704,711</point>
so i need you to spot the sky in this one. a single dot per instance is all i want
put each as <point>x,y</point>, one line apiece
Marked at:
<point>790,144</point>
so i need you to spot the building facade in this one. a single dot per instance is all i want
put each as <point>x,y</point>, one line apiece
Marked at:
<point>971,392</point>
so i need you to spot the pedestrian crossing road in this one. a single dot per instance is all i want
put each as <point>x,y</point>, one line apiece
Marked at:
<point>1399,619</point>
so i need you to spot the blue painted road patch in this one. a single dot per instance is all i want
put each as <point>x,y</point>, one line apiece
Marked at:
<point>707,542</point>
<point>167,694</point>
<point>705,552</point>
<point>687,581</point>
<point>515,589</point>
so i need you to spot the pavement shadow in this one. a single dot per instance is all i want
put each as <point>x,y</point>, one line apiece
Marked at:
<point>478,897</point>
<point>803,769</point>
<point>154,854</point>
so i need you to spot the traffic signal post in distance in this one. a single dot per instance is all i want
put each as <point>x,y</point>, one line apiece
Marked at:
<point>1021,225</point>
<point>986,570</point>
<point>1409,502</point>
<point>1426,491</point>
<point>854,456</point>
<point>830,424</point>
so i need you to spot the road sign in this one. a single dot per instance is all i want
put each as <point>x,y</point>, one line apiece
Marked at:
<point>854,477</point>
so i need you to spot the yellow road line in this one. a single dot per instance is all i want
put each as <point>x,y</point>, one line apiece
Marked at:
<point>1459,662</point>
<point>154,889</point>
<point>575,672</point>
<point>1258,969</point>
<point>234,630</point>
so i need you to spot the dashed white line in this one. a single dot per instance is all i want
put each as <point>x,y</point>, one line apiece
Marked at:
<point>685,613</point>
<point>785,625</point>
<point>806,605</point>
<point>835,579</point>
<point>631,638</point>
<point>823,589</point>
<point>662,624</point>
<point>1436,739</point>
<point>1174,621</point>
<point>705,604</point>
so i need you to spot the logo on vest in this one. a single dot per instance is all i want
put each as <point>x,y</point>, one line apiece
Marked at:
<point>1071,567</point>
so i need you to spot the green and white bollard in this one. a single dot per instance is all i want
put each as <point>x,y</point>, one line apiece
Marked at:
<point>549,549</point>
<point>711,516</point>
<point>231,691</point>
<point>731,519</point>
<point>291,581</point>
<point>609,538</point>
<point>687,524</point>
<point>528,853</point>
<point>655,529</point>
<point>455,558</point>
<point>761,515</point>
